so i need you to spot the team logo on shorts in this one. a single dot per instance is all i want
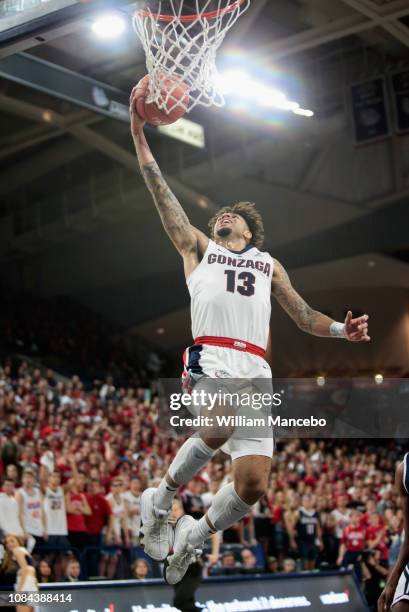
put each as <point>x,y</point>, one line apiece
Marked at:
<point>221,374</point>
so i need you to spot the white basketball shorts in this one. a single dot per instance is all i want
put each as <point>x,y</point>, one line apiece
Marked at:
<point>203,362</point>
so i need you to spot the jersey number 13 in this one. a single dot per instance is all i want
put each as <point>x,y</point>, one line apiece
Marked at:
<point>246,284</point>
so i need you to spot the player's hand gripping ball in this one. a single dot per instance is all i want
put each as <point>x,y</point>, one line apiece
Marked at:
<point>175,99</point>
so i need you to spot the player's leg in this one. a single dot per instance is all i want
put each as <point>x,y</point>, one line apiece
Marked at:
<point>193,455</point>
<point>230,504</point>
<point>401,606</point>
<point>233,501</point>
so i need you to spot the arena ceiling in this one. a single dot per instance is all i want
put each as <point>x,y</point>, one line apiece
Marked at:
<point>75,217</point>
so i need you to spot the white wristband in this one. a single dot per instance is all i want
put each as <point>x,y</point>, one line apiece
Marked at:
<point>337,330</point>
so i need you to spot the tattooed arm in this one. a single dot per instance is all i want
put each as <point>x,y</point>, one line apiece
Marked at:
<point>307,319</point>
<point>310,320</point>
<point>173,217</point>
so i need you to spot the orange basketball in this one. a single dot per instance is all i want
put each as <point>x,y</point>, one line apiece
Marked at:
<point>176,102</point>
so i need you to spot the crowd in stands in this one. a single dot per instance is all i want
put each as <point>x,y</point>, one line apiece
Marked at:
<point>71,339</point>
<point>73,465</point>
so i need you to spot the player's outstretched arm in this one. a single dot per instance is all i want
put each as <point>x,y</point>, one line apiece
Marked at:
<point>174,218</point>
<point>387,595</point>
<point>312,321</point>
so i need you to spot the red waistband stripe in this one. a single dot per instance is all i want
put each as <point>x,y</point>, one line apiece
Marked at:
<point>233,343</point>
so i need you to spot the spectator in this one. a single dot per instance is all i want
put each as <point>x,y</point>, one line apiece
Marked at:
<point>100,519</point>
<point>118,529</point>
<point>119,510</point>
<point>263,526</point>
<point>73,571</point>
<point>229,563</point>
<point>249,562</point>
<point>278,535</point>
<point>377,537</point>
<point>27,461</point>
<point>341,516</point>
<point>55,511</point>
<point>10,518</point>
<point>133,499</point>
<point>192,499</point>
<point>289,566</point>
<point>140,569</point>
<point>44,572</point>
<point>207,496</point>
<point>272,565</point>
<point>31,511</point>
<point>308,533</point>
<point>12,473</point>
<point>8,569</point>
<point>353,543</point>
<point>374,575</point>
<point>77,510</point>
<point>26,579</point>
<point>248,559</point>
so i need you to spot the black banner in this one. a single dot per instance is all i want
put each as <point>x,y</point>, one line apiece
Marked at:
<point>369,111</point>
<point>400,86</point>
<point>67,85</point>
<point>317,592</point>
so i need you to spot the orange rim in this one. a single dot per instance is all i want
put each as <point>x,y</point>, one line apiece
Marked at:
<point>189,18</point>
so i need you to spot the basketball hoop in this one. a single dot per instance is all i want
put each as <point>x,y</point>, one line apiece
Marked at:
<point>183,45</point>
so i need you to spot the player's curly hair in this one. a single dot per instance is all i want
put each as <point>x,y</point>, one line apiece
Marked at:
<point>250,214</point>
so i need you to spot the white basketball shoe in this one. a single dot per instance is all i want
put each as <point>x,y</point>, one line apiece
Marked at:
<point>184,554</point>
<point>154,531</point>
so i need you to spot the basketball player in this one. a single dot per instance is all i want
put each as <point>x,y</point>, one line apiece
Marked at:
<point>230,280</point>
<point>395,596</point>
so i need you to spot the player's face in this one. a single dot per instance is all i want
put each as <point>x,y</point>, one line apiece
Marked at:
<point>231,225</point>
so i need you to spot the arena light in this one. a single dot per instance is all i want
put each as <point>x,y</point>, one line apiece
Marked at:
<point>378,378</point>
<point>321,381</point>
<point>304,112</point>
<point>203,202</point>
<point>109,26</point>
<point>240,84</point>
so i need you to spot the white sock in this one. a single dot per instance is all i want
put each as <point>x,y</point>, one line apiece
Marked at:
<point>190,458</point>
<point>164,495</point>
<point>227,508</point>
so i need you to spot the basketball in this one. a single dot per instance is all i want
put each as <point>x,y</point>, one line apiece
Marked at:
<point>174,97</point>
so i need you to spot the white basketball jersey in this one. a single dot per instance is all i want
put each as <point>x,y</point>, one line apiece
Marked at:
<point>230,294</point>
<point>54,507</point>
<point>32,517</point>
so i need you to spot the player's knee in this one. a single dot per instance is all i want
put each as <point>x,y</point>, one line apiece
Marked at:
<point>216,438</point>
<point>214,442</point>
<point>252,489</point>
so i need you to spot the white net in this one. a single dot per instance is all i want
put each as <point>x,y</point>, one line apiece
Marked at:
<point>180,40</point>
